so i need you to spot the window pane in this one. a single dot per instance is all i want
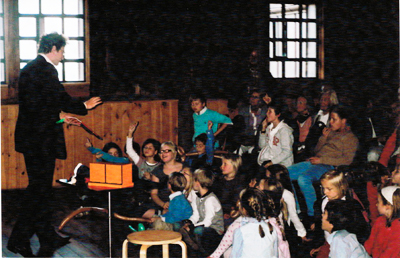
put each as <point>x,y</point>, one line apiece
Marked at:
<point>292,69</point>
<point>293,49</point>
<point>27,49</point>
<point>292,11</point>
<point>73,6</point>
<point>52,24</point>
<point>1,27</point>
<point>2,49</point>
<point>2,74</point>
<point>73,27</point>
<point>59,68</point>
<point>278,30</point>
<point>74,49</point>
<point>51,6</point>
<point>271,49</point>
<point>312,11</point>
<point>309,69</point>
<point>293,30</point>
<point>74,71</point>
<point>309,30</point>
<point>275,10</point>
<point>276,69</point>
<point>1,6</point>
<point>278,48</point>
<point>28,6</point>
<point>309,50</point>
<point>271,29</point>
<point>22,65</point>
<point>27,27</point>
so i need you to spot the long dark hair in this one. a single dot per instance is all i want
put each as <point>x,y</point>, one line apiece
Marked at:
<point>110,145</point>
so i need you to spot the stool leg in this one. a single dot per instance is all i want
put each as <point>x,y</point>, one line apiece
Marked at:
<point>184,248</point>
<point>143,251</point>
<point>125,249</point>
<point>165,251</point>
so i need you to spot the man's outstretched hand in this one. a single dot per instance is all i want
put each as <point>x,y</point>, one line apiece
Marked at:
<point>93,102</point>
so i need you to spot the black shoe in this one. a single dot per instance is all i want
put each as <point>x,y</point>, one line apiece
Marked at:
<point>188,240</point>
<point>60,242</point>
<point>46,251</point>
<point>24,249</point>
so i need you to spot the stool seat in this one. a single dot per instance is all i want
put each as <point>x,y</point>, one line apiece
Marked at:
<point>148,238</point>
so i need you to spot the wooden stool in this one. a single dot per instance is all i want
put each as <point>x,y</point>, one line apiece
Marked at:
<point>148,238</point>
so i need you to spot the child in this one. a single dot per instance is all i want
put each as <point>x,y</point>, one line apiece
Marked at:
<point>228,187</point>
<point>336,220</point>
<point>377,175</point>
<point>150,149</point>
<point>395,179</point>
<point>255,238</point>
<point>179,208</point>
<point>202,115</point>
<point>276,139</point>
<point>204,148</point>
<point>111,153</point>
<point>206,224</point>
<point>335,187</point>
<point>384,239</point>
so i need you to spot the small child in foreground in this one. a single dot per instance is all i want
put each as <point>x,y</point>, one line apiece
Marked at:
<point>385,235</point>
<point>336,219</point>
<point>179,207</point>
<point>203,231</point>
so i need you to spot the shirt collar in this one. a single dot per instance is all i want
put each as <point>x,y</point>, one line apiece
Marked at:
<point>330,237</point>
<point>47,59</point>
<point>202,111</point>
<point>172,196</point>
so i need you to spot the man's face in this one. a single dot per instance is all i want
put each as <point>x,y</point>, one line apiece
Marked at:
<point>58,55</point>
<point>325,102</point>
<point>197,105</point>
<point>255,99</point>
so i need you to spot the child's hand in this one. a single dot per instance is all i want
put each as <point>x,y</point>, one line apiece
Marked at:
<point>99,155</point>
<point>312,227</point>
<point>210,124</point>
<point>153,219</point>
<point>88,144</point>
<point>166,205</point>
<point>147,175</point>
<point>132,129</point>
<point>304,239</point>
<point>315,160</point>
<point>314,251</point>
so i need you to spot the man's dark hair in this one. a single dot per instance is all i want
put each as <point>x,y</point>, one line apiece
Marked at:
<point>48,41</point>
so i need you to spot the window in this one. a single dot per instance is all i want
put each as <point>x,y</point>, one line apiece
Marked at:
<point>28,20</point>
<point>2,51</point>
<point>39,17</point>
<point>293,38</point>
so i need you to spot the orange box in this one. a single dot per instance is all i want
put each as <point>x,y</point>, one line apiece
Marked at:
<point>111,175</point>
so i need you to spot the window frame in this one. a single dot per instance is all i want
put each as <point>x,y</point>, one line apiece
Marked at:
<point>9,89</point>
<point>319,40</point>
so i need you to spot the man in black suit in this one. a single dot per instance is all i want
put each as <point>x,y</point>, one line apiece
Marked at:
<point>42,102</point>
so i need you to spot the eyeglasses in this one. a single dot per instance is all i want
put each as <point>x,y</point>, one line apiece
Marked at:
<point>165,151</point>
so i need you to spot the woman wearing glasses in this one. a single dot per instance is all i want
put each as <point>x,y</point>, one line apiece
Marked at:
<point>159,192</point>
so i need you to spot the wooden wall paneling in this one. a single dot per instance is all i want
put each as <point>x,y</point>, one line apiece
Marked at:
<point>158,119</point>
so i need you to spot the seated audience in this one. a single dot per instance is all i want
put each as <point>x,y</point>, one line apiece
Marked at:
<point>337,146</point>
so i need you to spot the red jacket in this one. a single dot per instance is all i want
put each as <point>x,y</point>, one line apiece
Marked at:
<point>384,242</point>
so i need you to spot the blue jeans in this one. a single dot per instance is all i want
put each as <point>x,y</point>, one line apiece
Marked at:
<point>306,173</point>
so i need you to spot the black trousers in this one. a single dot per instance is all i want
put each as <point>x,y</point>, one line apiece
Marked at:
<point>35,208</point>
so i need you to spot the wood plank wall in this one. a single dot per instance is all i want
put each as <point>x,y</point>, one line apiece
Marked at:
<point>158,119</point>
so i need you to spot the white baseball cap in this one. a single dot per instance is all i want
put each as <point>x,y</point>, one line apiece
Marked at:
<point>388,191</point>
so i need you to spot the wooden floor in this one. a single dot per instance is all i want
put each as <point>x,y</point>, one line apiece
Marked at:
<point>89,235</point>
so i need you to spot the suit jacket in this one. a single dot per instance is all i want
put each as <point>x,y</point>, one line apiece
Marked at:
<point>41,98</point>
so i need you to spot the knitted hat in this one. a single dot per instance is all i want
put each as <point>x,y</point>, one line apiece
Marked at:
<point>388,191</point>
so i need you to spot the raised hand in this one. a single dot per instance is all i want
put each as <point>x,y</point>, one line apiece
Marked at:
<point>88,144</point>
<point>93,102</point>
<point>132,129</point>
